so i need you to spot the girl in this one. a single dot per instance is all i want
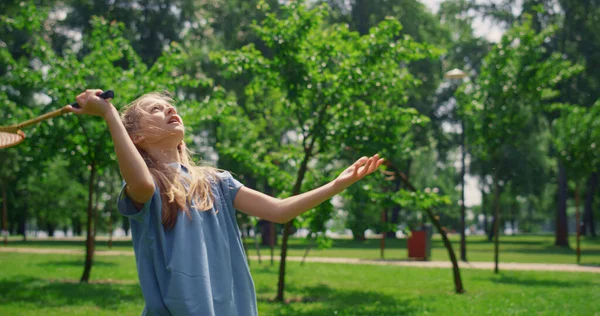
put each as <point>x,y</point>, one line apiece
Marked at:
<point>187,244</point>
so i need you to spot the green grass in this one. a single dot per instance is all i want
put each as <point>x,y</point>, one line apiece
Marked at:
<point>531,249</point>
<point>35,284</point>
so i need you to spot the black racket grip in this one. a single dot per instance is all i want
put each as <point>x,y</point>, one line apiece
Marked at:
<point>108,94</point>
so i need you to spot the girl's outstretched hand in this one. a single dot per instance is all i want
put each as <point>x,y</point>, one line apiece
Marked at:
<point>358,170</point>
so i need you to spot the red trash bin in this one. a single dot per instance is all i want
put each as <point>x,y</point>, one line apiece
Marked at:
<point>417,245</point>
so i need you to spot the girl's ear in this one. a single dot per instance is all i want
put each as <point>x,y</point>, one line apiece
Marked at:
<point>137,138</point>
<point>181,146</point>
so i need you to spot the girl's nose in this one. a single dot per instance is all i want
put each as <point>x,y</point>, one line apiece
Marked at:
<point>171,111</point>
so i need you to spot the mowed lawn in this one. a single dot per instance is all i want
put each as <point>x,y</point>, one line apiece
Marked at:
<point>530,249</point>
<point>41,284</point>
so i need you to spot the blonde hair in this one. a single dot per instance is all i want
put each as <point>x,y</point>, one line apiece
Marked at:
<point>174,194</point>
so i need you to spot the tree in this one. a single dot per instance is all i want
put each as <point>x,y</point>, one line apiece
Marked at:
<point>66,196</point>
<point>149,25</point>
<point>423,26</point>
<point>516,78</point>
<point>108,60</point>
<point>21,77</point>
<point>331,82</point>
<point>576,134</point>
<point>575,40</point>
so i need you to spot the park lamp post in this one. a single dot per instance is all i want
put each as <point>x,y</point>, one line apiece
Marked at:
<point>458,75</point>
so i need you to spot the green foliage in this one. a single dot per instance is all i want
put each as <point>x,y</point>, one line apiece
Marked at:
<point>68,197</point>
<point>323,87</point>
<point>516,79</point>
<point>428,198</point>
<point>362,212</point>
<point>577,133</point>
<point>329,76</point>
<point>106,60</point>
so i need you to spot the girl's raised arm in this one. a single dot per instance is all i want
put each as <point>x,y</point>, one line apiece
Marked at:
<point>257,204</point>
<point>137,176</point>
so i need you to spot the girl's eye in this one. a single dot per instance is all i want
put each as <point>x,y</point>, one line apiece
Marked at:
<point>154,108</point>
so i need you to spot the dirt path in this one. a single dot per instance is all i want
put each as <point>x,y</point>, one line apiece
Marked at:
<point>448,264</point>
<point>416,264</point>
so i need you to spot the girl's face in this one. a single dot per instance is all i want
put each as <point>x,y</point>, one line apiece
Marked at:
<point>161,124</point>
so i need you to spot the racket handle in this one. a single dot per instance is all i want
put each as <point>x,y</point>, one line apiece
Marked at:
<point>108,94</point>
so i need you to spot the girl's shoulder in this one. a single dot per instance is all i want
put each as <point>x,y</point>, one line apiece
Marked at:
<point>213,175</point>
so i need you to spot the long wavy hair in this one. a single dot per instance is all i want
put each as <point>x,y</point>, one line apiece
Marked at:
<point>177,192</point>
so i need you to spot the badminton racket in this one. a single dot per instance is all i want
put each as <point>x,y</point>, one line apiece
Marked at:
<point>12,135</point>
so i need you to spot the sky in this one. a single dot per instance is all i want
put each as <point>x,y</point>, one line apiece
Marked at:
<point>481,28</point>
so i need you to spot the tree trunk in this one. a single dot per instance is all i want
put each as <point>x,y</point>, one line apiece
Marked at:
<point>562,230</point>
<point>513,215</point>
<point>287,226</point>
<point>4,213</point>
<point>256,245</point>
<point>577,222</point>
<point>484,210</point>
<point>110,212</point>
<point>310,244</point>
<point>395,217</point>
<point>22,221</point>
<point>267,233</point>
<point>51,229</point>
<point>496,223</point>
<point>530,216</point>
<point>272,227</point>
<point>89,242</point>
<point>491,232</point>
<point>110,227</point>
<point>458,286</point>
<point>273,241</point>
<point>360,14</point>
<point>95,210</point>
<point>463,241</point>
<point>25,213</point>
<point>359,235</point>
<point>384,224</point>
<point>76,225</point>
<point>588,212</point>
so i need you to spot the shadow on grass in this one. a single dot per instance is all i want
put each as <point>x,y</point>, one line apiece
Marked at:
<point>42,293</point>
<point>506,240</point>
<point>76,263</point>
<point>324,300</point>
<point>57,243</point>
<point>590,265</point>
<point>539,282</point>
<point>555,250</point>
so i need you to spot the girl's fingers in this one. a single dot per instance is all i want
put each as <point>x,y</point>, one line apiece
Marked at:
<point>80,99</point>
<point>357,165</point>
<point>366,165</point>
<point>365,169</point>
<point>361,161</point>
<point>375,164</point>
<point>74,110</point>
